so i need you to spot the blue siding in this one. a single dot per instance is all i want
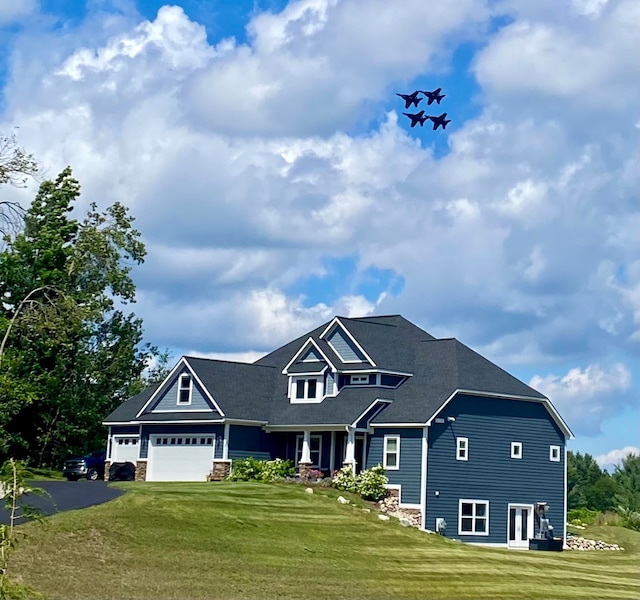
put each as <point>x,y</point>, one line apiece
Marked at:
<point>169,399</point>
<point>289,448</point>
<point>376,409</point>
<point>490,473</point>
<point>147,430</point>
<point>328,383</point>
<point>390,380</point>
<point>247,441</point>
<point>124,429</point>
<point>311,356</point>
<point>345,348</point>
<point>408,475</point>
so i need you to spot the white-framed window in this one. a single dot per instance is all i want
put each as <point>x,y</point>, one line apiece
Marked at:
<point>516,449</point>
<point>184,389</point>
<point>315,447</point>
<point>391,454</point>
<point>462,448</point>
<point>307,389</point>
<point>359,379</point>
<point>473,517</point>
<point>554,453</point>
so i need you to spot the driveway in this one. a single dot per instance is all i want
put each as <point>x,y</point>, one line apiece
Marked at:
<point>65,495</point>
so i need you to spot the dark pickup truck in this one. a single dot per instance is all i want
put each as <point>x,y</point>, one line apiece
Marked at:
<point>90,467</point>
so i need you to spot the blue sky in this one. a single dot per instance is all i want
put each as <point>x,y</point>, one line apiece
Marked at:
<point>264,153</point>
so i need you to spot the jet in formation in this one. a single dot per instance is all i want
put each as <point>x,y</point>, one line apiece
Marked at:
<point>416,118</point>
<point>431,96</point>
<point>440,121</point>
<point>410,99</point>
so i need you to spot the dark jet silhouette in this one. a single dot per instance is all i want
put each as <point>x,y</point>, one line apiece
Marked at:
<point>435,95</point>
<point>416,118</point>
<point>440,121</point>
<point>410,99</point>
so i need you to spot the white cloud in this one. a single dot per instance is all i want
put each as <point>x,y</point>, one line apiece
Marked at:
<point>15,10</point>
<point>614,457</point>
<point>249,356</point>
<point>585,397</point>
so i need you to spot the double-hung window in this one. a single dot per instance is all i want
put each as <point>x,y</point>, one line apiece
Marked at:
<point>462,448</point>
<point>184,389</point>
<point>307,389</point>
<point>473,517</point>
<point>391,455</point>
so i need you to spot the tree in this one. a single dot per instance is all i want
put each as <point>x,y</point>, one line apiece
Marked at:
<point>16,166</point>
<point>76,355</point>
<point>587,484</point>
<point>627,477</point>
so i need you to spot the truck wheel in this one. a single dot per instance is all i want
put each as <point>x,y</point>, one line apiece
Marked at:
<point>93,475</point>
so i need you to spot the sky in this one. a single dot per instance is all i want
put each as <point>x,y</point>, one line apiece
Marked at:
<point>263,151</point>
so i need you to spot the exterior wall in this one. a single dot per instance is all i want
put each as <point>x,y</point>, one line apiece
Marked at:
<point>408,476</point>
<point>490,473</point>
<point>124,429</point>
<point>345,348</point>
<point>169,399</point>
<point>311,356</point>
<point>289,447</point>
<point>245,441</point>
<point>216,429</point>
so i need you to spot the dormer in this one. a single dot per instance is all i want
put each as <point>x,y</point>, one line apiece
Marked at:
<point>344,344</point>
<point>311,375</point>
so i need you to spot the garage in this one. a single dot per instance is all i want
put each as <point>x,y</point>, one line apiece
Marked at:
<point>125,449</point>
<point>180,458</point>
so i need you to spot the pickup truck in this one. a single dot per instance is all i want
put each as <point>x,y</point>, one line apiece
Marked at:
<point>90,467</point>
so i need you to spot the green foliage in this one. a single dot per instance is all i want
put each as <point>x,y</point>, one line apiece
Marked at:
<point>581,516</point>
<point>630,518</point>
<point>627,478</point>
<point>252,469</point>
<point>12,486</point>
<point>370,483</point>
<point>588,486</point>
<point>71,356</point>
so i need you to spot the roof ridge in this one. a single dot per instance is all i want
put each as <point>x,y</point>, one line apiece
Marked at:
<point>224,360</point>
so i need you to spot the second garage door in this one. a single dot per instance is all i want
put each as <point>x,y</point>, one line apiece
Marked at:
<point>180,458</point>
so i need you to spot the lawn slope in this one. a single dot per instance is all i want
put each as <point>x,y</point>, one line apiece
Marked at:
<point>242,540</point>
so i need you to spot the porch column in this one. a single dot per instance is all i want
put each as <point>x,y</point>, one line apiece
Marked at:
<point>350,457</point>
<point>304,466</point>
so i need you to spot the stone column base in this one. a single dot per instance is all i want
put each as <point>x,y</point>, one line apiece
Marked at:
<point>141,470</point>
<point>304,471</point>
<point>221,470</point>
<point>107,465</point>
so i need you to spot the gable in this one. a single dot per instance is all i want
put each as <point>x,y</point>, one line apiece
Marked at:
<point>312,355</point>
<point>167,400</point>
<point>344,347</point>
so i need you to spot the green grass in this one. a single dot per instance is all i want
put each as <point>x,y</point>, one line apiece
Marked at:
<point>36,474</point>
<point>244,540</point>
<point>612,534</point>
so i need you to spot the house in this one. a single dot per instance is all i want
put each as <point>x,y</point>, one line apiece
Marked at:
<point>461,439</point>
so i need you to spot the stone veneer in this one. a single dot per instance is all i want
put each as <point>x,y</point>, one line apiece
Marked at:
<point>304,470</point>
<point>141,470</point>
<point>221,470</point>
<point>107,465</point>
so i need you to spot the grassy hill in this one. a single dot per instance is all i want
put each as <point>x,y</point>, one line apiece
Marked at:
<point>243,540</point>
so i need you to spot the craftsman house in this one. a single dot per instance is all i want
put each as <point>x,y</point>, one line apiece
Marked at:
<point>464,443</point>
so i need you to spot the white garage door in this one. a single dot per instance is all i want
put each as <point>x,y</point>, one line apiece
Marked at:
<point>180,458</point>
<point>124,449</point>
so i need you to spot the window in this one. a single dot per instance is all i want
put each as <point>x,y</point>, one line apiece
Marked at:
<point>554,453</point>
<point>315,446</point>
<point>312,386</point>
<point>462,448</point>
<point>391,457</point>
<point>359,379</point>
<point>184,389</point>
<point>516,449</point>
<point>308,389</point>
<point>300,384</point>
<point>473,517</point>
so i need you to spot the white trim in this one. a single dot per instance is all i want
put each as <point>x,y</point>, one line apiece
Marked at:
<point>309,374</point>
<point>317,399</point>
<point>487,544</point>
<point>385,451</point>
<point>415,425</point>
<point>462,501</point>
<point>375,370</point>
<point>225,441</point>
<point>566,500</point>
<point>310,340</point>
<point>174,410</point>
<point>424,466</point>
<point>328,427</point>
<point>337,321</point>
<point>530,525</point>
<point>397,486</point>
<point>155,436</point>
<point>332,453</point>
<point>245,422</point>
<point>361,379</point>
<point>299,437</point>
<point>459,441</point>
<point>181,388</point>
<point>366,410</point>
<point>516,454</point>
<point>553,447</point>
<point>182,422</point>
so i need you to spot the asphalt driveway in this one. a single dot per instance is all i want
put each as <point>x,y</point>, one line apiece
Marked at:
<point>65,495</point>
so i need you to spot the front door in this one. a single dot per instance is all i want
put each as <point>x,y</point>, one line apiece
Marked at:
<point>520,525</point>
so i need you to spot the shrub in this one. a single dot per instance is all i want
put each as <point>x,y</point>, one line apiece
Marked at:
<point>277,469</point>
<point>630,518</point>
<point>371,483</point>
<point>581,516</point>
<point>345,480</point>
<point>252,469</point>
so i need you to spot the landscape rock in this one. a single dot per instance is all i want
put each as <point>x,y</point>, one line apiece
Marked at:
<point>575,542</point>
<point>367,510</point>
<point>309,490</point>
<point>406,522</point>
<point>383,517</point>
<point>343,500</point>
<point>391,505</point>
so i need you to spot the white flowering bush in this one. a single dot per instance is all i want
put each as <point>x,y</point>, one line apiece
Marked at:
<point>345,480</point>
<point>371,483</point>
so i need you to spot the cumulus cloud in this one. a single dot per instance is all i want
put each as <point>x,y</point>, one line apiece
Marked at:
<point>585,397</point>
<point>615,457</point>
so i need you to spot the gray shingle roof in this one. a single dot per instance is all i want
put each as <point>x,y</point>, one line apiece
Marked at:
<point>185,415</point>
<point>128,410</point>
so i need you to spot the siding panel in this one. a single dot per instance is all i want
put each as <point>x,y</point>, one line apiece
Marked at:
<point>345,348</point>
<point>246,441</point>
<point>490,473</point>
<point>408,476</point>
<point>169,399</point>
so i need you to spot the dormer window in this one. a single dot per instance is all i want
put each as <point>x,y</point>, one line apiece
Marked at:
<point>184,389</point>
<point>307,388</point>
<point>359,379</point>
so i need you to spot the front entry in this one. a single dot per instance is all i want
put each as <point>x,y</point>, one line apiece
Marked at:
<point>520,525</point>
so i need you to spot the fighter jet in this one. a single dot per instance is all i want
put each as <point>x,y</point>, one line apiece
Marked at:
<point>410,99</point>
<point>435,95</point>
<point>439,121</point>
<point>416,118</point>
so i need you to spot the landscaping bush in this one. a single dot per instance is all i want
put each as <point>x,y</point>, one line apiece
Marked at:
<point>252,469</point>
<point>630,518</point>
<point>345,480</point>
<point>277,469</point>
<point>581,516</point>
<point>370,483</point>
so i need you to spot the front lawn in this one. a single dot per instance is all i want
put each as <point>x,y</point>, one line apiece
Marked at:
<point>249,540</point>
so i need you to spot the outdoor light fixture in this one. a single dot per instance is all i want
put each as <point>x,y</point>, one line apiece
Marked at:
<point>451,419</point>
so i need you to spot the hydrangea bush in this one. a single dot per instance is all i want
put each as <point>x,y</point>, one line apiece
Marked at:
<point>252,469</point>
<point>370,483</point>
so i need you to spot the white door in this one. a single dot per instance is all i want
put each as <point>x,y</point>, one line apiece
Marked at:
<point>124,449</point>
<point>520,525</point>
<point>180,457</point>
